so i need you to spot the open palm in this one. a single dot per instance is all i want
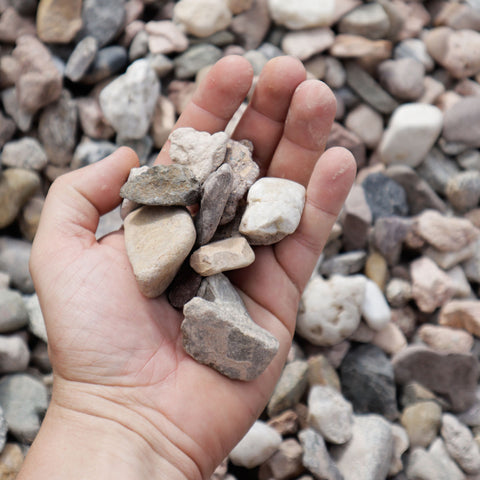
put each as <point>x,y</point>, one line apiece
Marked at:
<point>117,354</point>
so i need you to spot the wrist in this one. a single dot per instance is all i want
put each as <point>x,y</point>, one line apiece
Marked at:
<point>87,435</point>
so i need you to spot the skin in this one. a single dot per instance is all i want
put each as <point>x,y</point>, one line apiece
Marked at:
<point>127,401</point>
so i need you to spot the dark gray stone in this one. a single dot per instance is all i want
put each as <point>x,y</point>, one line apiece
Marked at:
<point>368,381</point>
<point>13,311</point>
<point>384,196</point>
<point>215,193</point>
<point>108,62</point>
<point>184,286</point>
<point>81,58</point>
<point>165,185</point>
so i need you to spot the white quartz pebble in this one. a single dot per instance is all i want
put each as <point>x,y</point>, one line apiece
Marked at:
<point>375,309</point>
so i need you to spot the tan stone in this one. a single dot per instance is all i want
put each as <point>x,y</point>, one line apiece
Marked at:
<point>446,339</point>
<point>422,421</point>
<point>222,256</point>
<point>390,339</point>
<point>376,269</point>
<point>462,314</point>
<point>11,461</point>
<point>163,122</point>
<point>155,258</point>
<point>355,46</point>
<point>321,372</point>
<point>58,21</point>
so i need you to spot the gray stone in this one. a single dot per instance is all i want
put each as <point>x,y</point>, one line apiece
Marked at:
<point>368,20</point>
<point>290,387</point>
<point>23,399</point>
<point>36,322</point>
<point>14,258</point>
<point>141,146</point>
<point>22,118</point>
<point>14,354</point>
<point>388,235</point>
<point>461,122</point>
<point>91,151</point>
<point>342,137</point>
<point>165,185</point>
<point>13,312</point>
<point>139,46</point>
<point>368,454</point>
<point>108,61</point>
<point>452,376</point>
<point>226,339</point>
<point>437,169</point>
<point>218,289</point>
<point>24,153</point>
<point>402,78</point>
<point>251,27</point>
<point>215,193</point>
<point>344,264</point>
<point>368,381</point>
<point>463,190</point>
<point>81,58</point>
<point>469,160</point>
<point>316,458</point>
<point>7,129</point>
<point>194,59</point>
<point>415,49</point>
<point>102,19</point>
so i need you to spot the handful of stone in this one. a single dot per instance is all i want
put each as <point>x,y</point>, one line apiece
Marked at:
<point>184,255</point>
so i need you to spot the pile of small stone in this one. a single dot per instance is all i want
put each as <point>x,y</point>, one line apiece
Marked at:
<point>396,348</point>
<point>215,172</point>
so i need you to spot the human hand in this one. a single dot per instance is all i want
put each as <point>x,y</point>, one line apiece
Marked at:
<point>121,376</point>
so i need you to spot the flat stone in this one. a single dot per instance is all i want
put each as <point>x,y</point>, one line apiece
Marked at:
<point>188,64</point>
<point>310,14</point>
<point>375,309</point>
<point>390,339</point>
<point>422,422</point>
<point>129,101</point>
<point>344,263</point>
<point>285,463</point>
<point>154,257</point>
<point>221,256</point>
<point>270,216</point>
<point>14,354</point>
<point>316,458</point>
<point>461,122</point>
<point>290,387</point>
<point>165,185</point>
<point>376,269</point>
<point>437,169</point>
<point>202,18</point>
<point>13,312</point>
<point>25,153</point>
<point>215,193</point>
<point>184,286</point>
<point>415,49</point>
<point>356,46</point>
<point>461,314</point>
<point>330,414</point>
<point>218,288</point>
<point>372,434</point>
<point>23,399</point>
<point>422,465</point>
<point>163,121</point>
<point>200,151</point>
<point>304,44</point>
<point>224,337</point>
<point>14,259</point>
<point>368,381</point>
<point>463,190</point>
<point>81,58</point>
<point>402,78</point>
<point>445,339</point>
<point>22,118</point>
<point>368,20</point>
<point>460,444</point>
<point>330,310</point>
<point>411,133</point>
<point>259,443</point>
<point>58,21</point>
<point>440,373</point>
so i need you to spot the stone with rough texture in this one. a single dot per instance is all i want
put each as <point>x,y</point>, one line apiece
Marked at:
<point>431,286</point>
<point>306,43</point>
<point>221,256</point>
<point>222,336</point>
<point>285,463</point>
<point>422,422</point>
<point>459,444</point>
<point>58,21</point>
<point>200,151</point>
<point>411,133</point>
<point>290,387</point>
<point>215,192</point>
<point>368,381</point>
<point>375,309</point>
<point>342,137</point>
<point>202,17</point>
<point>316,458</point>
<point>461,314</point>
<point>81,58</point>
<point>129,101</point>
<point>304,14</point>
<point>388,235</point>
<point>108,62</point>
<point>25,153</point>
<point>13,312</point>
<point>91,151</point>
<point>452,376</point>
<point>23,399</point>
<point>330,414</point>
<point>154,257</point>
<point>274,209</point>
<point>330,309</point>
<point>92,120</point>
<point>367,455</point>
<point>21,117</point>
<point>163,121</point>
<point>286,423</point>
<point>445,339</point>
<point>165,185</point>
<point>256,446</point>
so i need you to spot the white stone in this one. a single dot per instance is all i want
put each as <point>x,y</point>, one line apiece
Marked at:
<point>330,309</point>
<point>274,209</point>
<point>260,442</point>
<point>411,133</point>
<point>200,151</point>
<point>461,285</point>
<point>202,17</point>
<point>302,13</point>
<point>439,453</point>
<point>330,414</point>
<point>128,102</point>
<point>375,309</point>
<point>36,322</point>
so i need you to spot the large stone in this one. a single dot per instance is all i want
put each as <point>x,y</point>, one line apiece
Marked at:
<point>166,185</point>
<point>330,310</point>
<point>224,337</point>
<point>25,153</point>
<point>58,21</point>
<point>274,209</point>
<point>154,257</point>
<point>129,101</point>
<point>200,151</point>
<point>411,133</point>
<point>304,14</point>
<point>221,256</point>
<point>451,376</point>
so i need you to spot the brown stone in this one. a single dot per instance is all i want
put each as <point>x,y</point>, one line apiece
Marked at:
<point>13,26</point>
<point>286,423</point>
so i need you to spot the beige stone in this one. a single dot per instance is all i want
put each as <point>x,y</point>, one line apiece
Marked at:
<point>155,258</point>
<point>446,339</point>
<point>58,21</point>
<point>422,422</point>
<point>461,314</point>
<point>355,46</point>
<point>390,339</point>
<point>222,256</point>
